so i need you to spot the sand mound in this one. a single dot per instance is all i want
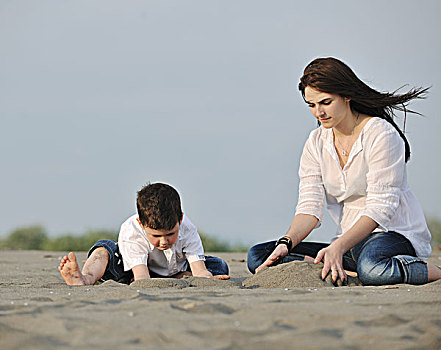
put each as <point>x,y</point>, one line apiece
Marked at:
<point>208,282</point>
<point>187,281</point>
<point>160,283</point>
<point>296,274</point>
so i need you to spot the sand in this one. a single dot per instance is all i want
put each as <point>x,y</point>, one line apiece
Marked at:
<point>284,307</point>
<point>296,274</point>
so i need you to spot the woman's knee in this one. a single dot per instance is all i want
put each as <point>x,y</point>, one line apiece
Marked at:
<point>373,270</point>
<point>252,260</point>
<point>373,277</point>
<point>384,271</point>
<point>377,269</point>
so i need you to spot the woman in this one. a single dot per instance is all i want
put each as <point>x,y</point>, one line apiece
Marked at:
<point>356,160</point>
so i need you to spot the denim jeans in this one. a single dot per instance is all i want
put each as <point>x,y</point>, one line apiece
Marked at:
<point>381,258</point>
<point>115,267</point>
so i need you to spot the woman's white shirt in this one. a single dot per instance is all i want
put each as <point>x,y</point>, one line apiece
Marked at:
<point>373,183</point>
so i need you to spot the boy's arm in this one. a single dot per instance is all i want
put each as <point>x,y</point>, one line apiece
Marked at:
<point>198,269</point>
<point>140,272</point>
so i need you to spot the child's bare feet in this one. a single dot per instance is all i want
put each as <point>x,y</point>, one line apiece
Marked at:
<point>70,270</point>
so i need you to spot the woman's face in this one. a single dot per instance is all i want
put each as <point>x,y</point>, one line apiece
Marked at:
<point>330,110</point>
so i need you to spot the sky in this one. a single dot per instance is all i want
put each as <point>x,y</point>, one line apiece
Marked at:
<point>98,98</point>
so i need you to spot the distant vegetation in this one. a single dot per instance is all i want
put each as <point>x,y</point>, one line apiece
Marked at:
<point>212,244</point>
<point>35,238</point>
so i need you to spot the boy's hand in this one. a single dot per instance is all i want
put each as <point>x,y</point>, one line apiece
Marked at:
<point>140,272</point>
<point>202,273</point>
<point>198,269</point>
<point>207,274</point>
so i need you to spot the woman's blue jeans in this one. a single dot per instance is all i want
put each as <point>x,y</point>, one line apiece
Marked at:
<point>381,258</point>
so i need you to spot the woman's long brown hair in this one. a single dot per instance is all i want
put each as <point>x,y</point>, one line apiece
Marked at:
<point>332,76</point>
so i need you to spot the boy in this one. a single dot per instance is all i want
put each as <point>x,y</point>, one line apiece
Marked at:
<point>158,242</point>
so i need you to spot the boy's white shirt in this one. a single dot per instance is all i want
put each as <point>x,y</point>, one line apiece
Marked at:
<point>136,249</point>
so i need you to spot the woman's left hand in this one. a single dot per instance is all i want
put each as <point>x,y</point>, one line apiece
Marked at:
<point>332,258</point>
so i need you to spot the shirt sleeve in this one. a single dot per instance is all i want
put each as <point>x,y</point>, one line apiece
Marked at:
<point>132,246</point>
<point>386,168</point>
<point>192,244</point>
<point>311,190</point>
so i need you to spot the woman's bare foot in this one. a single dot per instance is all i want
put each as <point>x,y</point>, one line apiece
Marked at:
<point>70,271</point>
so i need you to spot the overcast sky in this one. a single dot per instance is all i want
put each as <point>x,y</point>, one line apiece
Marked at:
<point>98,98</point>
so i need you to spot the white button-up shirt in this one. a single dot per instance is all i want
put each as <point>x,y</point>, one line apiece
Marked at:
<point>373,183</point>
<point>136,249</point>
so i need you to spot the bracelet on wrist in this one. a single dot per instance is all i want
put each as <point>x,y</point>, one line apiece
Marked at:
<point>286,241</point>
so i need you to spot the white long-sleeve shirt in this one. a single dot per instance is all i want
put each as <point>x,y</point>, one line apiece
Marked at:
<point>373,183</point>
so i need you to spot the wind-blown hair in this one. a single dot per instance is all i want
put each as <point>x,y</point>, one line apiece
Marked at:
<point>332,76</point>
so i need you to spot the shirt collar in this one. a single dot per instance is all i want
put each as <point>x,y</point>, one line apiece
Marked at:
<point>357,147</point>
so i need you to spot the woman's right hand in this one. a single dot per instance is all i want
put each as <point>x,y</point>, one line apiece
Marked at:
<point>279,253</point>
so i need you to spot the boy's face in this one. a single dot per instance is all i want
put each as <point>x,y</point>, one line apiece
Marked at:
<point>162,239</point>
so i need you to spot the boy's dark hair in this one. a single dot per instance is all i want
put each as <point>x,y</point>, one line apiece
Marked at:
<point>159,206</point>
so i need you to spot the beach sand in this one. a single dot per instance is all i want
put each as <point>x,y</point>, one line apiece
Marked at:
<point>267,311</point>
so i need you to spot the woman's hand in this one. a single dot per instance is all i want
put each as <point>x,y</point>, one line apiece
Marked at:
<point>279,253</point>
<point>332,258</point>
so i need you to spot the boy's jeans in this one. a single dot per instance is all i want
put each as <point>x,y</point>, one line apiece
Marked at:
<point>381,258</point>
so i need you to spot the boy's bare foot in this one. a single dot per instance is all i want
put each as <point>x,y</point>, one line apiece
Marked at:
<point>70,271</point>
